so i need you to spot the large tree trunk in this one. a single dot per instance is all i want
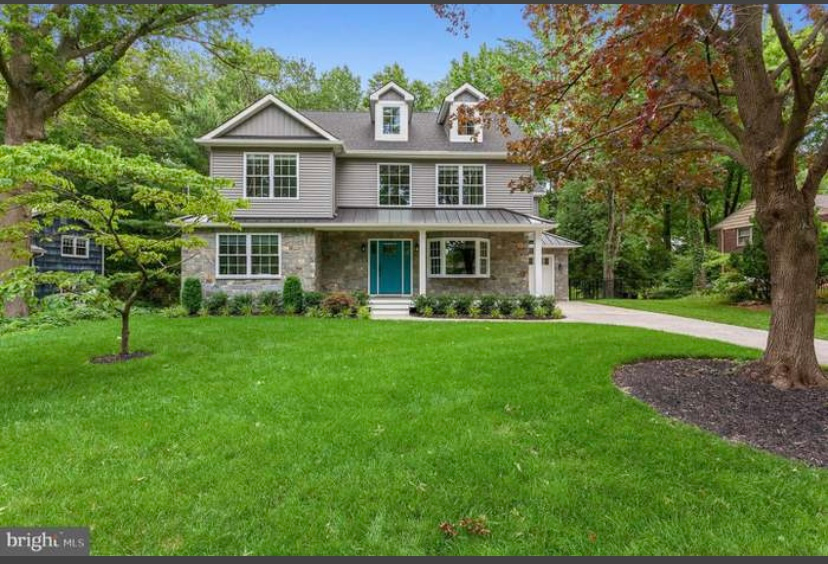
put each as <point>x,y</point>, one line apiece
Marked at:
<point>25,123</point>
<point>786,217</point>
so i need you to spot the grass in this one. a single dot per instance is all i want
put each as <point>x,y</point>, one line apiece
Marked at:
<point>715,308</point>
<point>285,436</point>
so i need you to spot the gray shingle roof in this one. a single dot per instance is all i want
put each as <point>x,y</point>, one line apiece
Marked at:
<point>743,217</point>
<point>552,241</point>
<point>356,130</point>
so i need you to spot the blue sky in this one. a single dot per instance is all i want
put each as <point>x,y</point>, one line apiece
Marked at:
<point>367,37</point>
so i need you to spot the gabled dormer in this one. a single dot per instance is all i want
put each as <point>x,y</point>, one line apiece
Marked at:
<point>458,126</point>
<point>391,109</point>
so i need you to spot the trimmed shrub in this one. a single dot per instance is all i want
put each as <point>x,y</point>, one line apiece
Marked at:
<point>241,304</point>
<point>519,313</point>
<point>269,302</point>
<point>548,303</point>
<point>216,303</point>
<point>313,299</point>
<point>506,305</point>
<point>363,312</point>
<point>495,313</point>
<point>191,295</point>
<point>338,304</point>
<point>293,297</point>
<point>315,311</point>
<point>361,298</point>
<point>442,303</point>
<point>423,301</point>
<point>557,314</point>
<point>474,309</point>
<point>528,302</point>
<point>463,303</point>
<point>451,311</point>
<point>540,312</point>
<point>487,303</point>
<point>428,311</point>
<point>174,312</point>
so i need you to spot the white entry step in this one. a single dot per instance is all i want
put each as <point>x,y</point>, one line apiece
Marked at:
<point>389,308</point>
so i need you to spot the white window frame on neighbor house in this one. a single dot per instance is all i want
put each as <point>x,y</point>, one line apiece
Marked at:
<point>74,241</point>
<point>742,240</point>
<point>410,185</point>
<point>479,258</point>
<point>454,133</point>
<point>379,133</point>
<point>460,169</point>
<point>248,257</point>
<point>271,157</point>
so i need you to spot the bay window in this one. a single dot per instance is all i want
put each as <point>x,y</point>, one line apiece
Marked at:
<point>458,258</point>
<point>249,255</point>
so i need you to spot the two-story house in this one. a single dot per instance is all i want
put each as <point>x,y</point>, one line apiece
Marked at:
<point>390,201</point>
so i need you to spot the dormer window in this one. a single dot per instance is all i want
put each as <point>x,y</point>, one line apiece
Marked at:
<point>465,122</point>
<point>391,123</point>
<point>391,109</point>
<point>460,117</point>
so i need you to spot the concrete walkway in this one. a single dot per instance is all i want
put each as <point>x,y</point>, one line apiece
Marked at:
<point>581,312</point>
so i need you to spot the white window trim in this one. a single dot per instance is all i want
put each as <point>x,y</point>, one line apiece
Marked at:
<point>270,189</point>
<point>410,185</point>
<point>749,237</point>
<point>74,239</point>
<point>248,259</point>
<point>460,171</point>
<point>454,132</point>
<point>478,258</point>
<point>379,135</point>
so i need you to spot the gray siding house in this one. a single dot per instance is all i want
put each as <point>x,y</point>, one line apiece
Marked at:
<point>389,201</point>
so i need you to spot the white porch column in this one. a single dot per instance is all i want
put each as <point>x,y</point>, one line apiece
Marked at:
<point>537,260</point>
<point>423,256</point>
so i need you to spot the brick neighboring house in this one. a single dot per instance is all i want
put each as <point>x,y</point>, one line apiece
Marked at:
<point>389,201</point>
<point>736,230</point>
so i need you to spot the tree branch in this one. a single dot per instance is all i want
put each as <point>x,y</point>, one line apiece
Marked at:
<point>711,146</point>
<point>817,170</point>
<point>789,49</point>
<point>777,72</point>
<point>718,111</point>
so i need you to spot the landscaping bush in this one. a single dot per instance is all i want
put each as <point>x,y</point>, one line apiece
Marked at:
<point>487,303</point>
<point>191,295</point>
<point>474,309</point>
<point>293,298</point>
<point>313,299</point>
<point>451,311</point>
<point>442,303</point>
<point>176,311</point>
<point>423,301</point>
<point>363,312</point>
<point>428,311</point>
<point>241,304</point>
<point>315,311</point>
<point>540,312</point>
<point>360,298</point>
<point>216,303</point>
<point>519,313</point>
<point>506,305</point>
<point>338,304</point>
<point>269,302</point>
<point>548,303</point>
<point>463,303</point>
<point>528,302</point>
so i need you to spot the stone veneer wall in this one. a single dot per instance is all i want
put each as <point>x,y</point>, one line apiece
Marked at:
<point>343,265</point>
<point>298,258</point>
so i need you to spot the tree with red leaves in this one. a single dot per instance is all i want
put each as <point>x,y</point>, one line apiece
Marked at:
<point>695,79</point>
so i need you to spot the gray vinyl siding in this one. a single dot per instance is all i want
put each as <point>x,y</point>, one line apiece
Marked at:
<point>357,183</point>
<point>392,95</point>
<point>271,122</point>
<point>316,173</point>
<point>466,97</point>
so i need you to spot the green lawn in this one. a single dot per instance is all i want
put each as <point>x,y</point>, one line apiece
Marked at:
<point>275,436</point>
<point>713,308</point>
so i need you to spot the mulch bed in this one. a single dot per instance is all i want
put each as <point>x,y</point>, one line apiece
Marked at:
<point>113,358</point>
<point>712,395</point>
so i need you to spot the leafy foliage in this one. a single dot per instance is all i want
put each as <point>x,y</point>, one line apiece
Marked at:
<point>293,297</point>
<point>191,295</point>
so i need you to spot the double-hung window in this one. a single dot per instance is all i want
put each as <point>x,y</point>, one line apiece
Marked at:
<point>461,185</point>
<point>271,175</point>
<point>74,246</point>
<point>391,120</point>
<point>249,255</point>
<point>744,235</point>
<point>461,258</point>
<point>394,185</point>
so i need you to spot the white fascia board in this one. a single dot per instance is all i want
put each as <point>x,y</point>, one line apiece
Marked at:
<point>465,155</point>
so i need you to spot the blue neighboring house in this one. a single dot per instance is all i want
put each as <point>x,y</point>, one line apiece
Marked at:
<point>57,248</point>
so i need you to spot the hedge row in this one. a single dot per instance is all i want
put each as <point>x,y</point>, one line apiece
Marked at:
<point>492,306</point>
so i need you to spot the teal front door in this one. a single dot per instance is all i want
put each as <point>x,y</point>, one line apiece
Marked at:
<point>389,267</point>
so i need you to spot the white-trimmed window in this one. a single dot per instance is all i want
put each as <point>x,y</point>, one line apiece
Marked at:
<point>466,128</point>
<point>461,185</point>
<point>744,235</point>
<point>74,246</point>
<point>394,184</point>
<point>249,255</point>
<point>452,257</point>
<point>391,120</point>
<point>271,175</point>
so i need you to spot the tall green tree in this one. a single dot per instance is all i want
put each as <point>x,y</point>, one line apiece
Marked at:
<point>424,98</point>
<point>51,53</point>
